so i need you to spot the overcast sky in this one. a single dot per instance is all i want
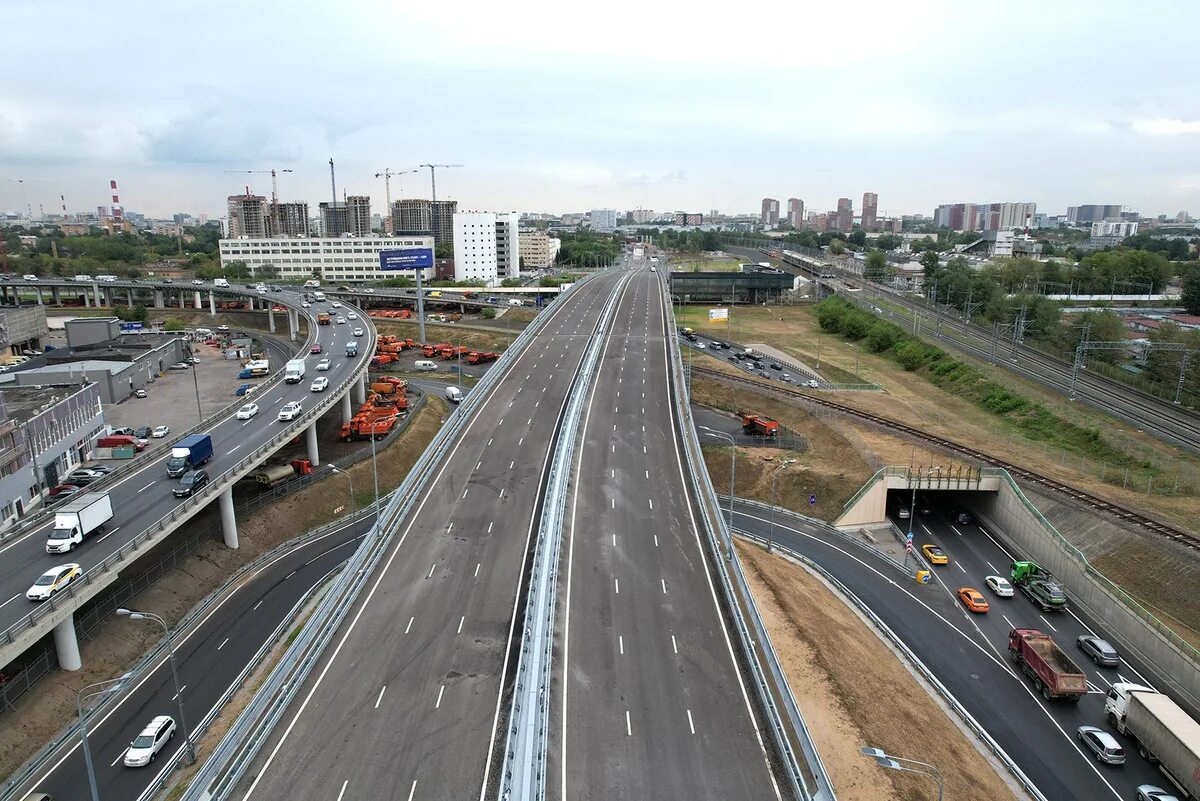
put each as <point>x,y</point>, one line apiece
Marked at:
<point>556,106</point>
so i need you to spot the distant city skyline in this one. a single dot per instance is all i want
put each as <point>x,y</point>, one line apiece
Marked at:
<point>606,132</point>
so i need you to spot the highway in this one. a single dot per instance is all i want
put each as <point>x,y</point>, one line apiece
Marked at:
<point>408,703</point>
<point>968,652</point>
<point>142,493</point>
<point>210,657</point>
<point>647,700</point>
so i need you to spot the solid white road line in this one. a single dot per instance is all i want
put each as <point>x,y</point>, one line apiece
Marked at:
<point>412,790</point>
<point>431,569</point>
<point>461,620</point>
<point>617,586</point>
<point>438,703</point>
<point>674,645</point>
<point>148,486</point>
<point>222,645</point>
<point>621,644</point>
<point>410,622</point>
<point>1047,622</point>
<point>477,566</point>
<point>691,723</point>
<point>343,790</point>
<point>628,725</point>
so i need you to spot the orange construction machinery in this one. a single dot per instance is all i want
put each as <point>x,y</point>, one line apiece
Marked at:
<point>453,352</point>
<point>759,424</point>
<point>387,400</point>
<point>432,350</point>
<point>391,314</point>
<point>388,349</point>
<point>478,357</point>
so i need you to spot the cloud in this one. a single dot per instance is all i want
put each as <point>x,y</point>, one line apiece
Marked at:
<point>1163,126</point>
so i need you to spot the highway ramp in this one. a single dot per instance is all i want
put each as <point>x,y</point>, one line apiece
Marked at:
<point>407,703</point>
<point>646,700</point>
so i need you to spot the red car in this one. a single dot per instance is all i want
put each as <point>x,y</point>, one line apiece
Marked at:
<point>315,349</point>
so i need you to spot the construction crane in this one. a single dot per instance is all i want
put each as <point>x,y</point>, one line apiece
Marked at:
<point>274,193</point>
<point>387,182</point>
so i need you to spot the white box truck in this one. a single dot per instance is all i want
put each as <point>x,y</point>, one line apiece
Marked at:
<point>221,282</point>
<point>293,371</point>
<point>454,394</point>
<point>81,517</point>
<point>1162,732</point>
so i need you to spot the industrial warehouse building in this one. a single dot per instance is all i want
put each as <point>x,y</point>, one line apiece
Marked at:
<point>757,286</point>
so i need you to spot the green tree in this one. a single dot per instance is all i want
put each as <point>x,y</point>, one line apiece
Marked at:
<point>268,271</point>
<point>1191,292</point>
<point>910,354</point>
<point>930,263</point>
<point>488,313</point>
<point>888,241</point>
<point>236,271</point>
<point>857,237</point>
<point>837,247</point>
<point>511,282</point>
<point>876,266</point>
<point>173,324</point>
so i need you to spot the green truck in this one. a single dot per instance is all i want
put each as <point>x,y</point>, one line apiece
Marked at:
<point>1039,585</point>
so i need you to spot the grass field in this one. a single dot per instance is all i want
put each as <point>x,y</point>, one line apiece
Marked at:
<point>687,264</point>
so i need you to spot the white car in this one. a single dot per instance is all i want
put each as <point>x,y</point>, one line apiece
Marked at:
<point>351,316</point>
<point>812,383</point>
<point>247,411</point>
<point>358,332</point>
<point>154,737</point>
<point>903,514</point>
<point>341,320</point>
<point>179,366</point>
<point>197,281</point>
<point>306,305</point>
<point>222,328</point>
<point>289,411</point>
<point>700,346</point>
<point>53,580</point>
<point>337,305</point>
<point>160,431</point>
<point>1000,586</point>
<point>29,277</point>
<point>324,364</point>
<point>319,384</point>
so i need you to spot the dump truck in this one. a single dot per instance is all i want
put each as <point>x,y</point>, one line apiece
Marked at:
<point>82,516</point>
<point>1054,674</point>
<point>432,350</point>
<point>1040,585</point>
<point>323,318</point>
<point>1163,733</point>
<point>759,424</point>
<point>478,357</point>
<point>453,352</point>
<point>189,453</point>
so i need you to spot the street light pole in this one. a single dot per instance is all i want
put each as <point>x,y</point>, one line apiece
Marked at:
<point>433,209</point>
<point>350,478</point>
<point>732,481</point>
<point>885,760</point>
<point>187,736</point>
<point>196,384</point>
<point>774,476</point>
<point>104,687</point>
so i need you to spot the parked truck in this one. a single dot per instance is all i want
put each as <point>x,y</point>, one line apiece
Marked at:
<point>293,371</point>
<point>268,476</point>
<point>1040,585</point>
<point>81,517</point>
<point>1053,673</point>
<point>189,453</point>
<point>759,425</point>
<point>1163,732</point>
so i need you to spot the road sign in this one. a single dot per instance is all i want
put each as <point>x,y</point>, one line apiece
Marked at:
<point>131,326</point>
<point>718,314</point>
<point>812,499</point>
<point>908,547</point>
<point>908,537</point>
<point>406,259</point>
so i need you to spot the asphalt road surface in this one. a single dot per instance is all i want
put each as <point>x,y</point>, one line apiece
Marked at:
<point>647,700</point>
<point>406,704</point>
<point>968,652</point>
<point>209,658</point>
<point>144,495</point>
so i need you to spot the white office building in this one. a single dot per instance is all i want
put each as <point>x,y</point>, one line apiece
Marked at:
<point>603,219</point>
<point>486,246</point>
<point>344,259</point>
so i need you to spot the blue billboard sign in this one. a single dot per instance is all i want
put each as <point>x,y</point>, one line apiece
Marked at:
<point>131,327</point>
<point>406,259</point>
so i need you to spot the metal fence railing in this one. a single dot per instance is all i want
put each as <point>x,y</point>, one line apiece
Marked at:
<point>527,740</point>
<point>218,777</point>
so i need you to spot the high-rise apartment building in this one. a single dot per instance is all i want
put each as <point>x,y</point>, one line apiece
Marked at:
<point>795,212</point>
<point>418,216</point>
<point>985,216</point>
<point>870,211</point>
<point>351,217</point>
<point>290,219</point>
<point>603,219</point>
<point>1086,215</point>
<point>642,215</point>
<point>845,214</point>
<point>486,246</point>
<point>246,215</point>
<point>770,212</point>
<point>537,249</point>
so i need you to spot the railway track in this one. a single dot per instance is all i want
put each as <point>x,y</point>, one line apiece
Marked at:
<point>1115,510</point>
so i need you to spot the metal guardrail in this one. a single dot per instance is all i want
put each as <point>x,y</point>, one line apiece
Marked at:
<point>527,741</point>
<point>894,639</point>
<point>223,481</point>
<point>218,777</point>
<point>750,627</point>
<point>39,760</point>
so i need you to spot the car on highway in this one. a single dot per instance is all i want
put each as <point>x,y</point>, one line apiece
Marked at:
<point>1102,744</point>
<point>999,585</point>
<point>244,389</point>
<point>336,305</point>
<point>316,348</point>
<point>358,332</point>
<point>903,513</point>
<point>160,431</point>
<point>963,518</point>
<point>812,383</point>
<point>141,393</point>
<point>289,411</point>
<point>341,320</point>
<point>934,554</point>
<point>777,367</point>
<point>324,364</point>
<point>700,346</point>
<point>305,305</point>
<point>248,411</point>
<point>351,316</point>
<point>179,366</point>
<point>197,281</point>
<point>154,737</point>
<point>190,483</point>
<point>972,599</point>
<point>53,581</point>
<point>1099,650</point>
<point>319,384</point>
<point>1149,792</point>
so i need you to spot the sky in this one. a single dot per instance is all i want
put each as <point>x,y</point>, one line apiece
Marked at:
<point>557,107</point>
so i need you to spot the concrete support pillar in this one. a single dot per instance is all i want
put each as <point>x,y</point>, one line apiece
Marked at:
<point>311,435</point>
<point>347,409</point>
<point>54,293</point>
<point>212,304</point>
<point>66,645</point>
<point>129,297</point>
<point>181,300</point>
<point>360,389</point>
<point>294,324</point>
<point>271,318</point>
<point>228,521</point>
<point>87,299</point>
<point>197,303</point>
<point>99,296</point>
<point>40,302</point>
<point>158,299</point>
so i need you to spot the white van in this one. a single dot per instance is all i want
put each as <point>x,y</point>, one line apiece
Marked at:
<point>424,365</point>
<point>221,282</point>
<point>515,302</point>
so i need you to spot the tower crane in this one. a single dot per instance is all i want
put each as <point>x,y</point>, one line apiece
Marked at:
<point>274,193</point>
<point>387,184</point>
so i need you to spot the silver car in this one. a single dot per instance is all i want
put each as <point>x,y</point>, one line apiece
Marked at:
<point>1102,744</point>
<point>1100,650</point>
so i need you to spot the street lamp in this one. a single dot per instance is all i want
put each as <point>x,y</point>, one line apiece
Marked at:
<point>885,760</point>
<point>912,510</point>
<point>102,688</point>
<point>196,385</point>
<point>732,480</point>
<point>349,477</point>
<point>775,475</point>
<point>187,735</point>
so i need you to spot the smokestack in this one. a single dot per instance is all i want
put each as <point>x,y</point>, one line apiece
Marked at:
<point>333,182</point>
<point>116,201</point>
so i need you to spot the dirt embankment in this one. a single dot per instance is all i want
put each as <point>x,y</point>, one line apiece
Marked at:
<point>854,691</point>
<point>40,714</point>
